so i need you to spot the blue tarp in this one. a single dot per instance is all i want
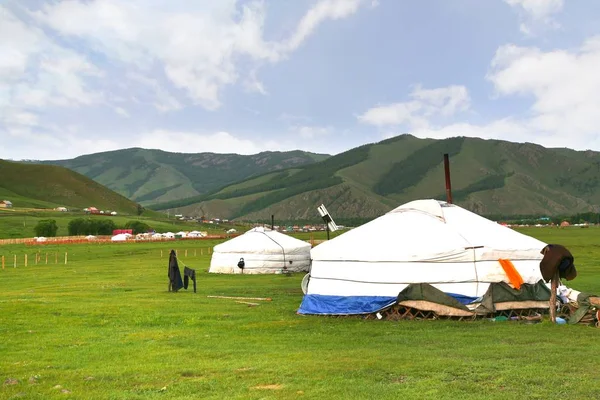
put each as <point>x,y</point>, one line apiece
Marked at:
<point>462,298</point>
<point>350,305</point>
<point>343,305</point>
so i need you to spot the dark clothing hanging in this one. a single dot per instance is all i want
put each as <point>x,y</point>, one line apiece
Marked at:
<point>175,282</point>
<point>188,274</point>
<point>557,258</point>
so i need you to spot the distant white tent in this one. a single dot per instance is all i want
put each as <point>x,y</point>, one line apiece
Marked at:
<point>195,234</point>
<point>263,251</point>
<point>121,237</point>
<point>424,241</point>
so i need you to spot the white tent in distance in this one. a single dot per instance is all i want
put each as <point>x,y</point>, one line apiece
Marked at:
<point>262,251</point>
<point>424,241</point>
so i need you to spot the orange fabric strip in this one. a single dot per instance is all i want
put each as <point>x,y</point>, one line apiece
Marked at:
<point>513,275</point>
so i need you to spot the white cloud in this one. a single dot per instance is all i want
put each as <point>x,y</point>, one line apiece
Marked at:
<point>321,11</point>
<point>538,9</point>
<point>122,112</point>
<point>17,43</point>
<point>128,56</point>
<point>37,72</point>
<point>563,85</point>
<point>311,132</point>
<point>71,143</point>
<point>156,94</point>
<point>252,84</point>
<point>426,103</point>
<point>537,13</point>
<point>197,45</point>
<point>194,142</point>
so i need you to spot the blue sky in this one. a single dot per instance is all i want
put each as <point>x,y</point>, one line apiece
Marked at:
<point>78,77</point>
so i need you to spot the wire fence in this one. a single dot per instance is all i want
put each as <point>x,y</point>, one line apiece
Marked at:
<point>40,257</point>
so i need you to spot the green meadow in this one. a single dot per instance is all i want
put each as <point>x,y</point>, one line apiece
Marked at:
<point>104,326</point>
<point>20,223</point>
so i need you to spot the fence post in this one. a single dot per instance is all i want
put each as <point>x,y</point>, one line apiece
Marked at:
<point>2,262</point>
<point>186,252</point>
<point>161,253</point>
<point>15,261</point>
<point>66,257</point>
<point>25,259</point>
<point>46,258</point>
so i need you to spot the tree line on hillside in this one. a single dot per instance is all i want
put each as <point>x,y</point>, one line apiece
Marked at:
<point>88,226</point>
<point>411,170</point>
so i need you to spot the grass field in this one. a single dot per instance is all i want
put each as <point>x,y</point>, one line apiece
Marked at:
<point>104,327</point>
<point>18,223</point>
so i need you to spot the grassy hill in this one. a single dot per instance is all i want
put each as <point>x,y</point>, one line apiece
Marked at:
<point>155,176</point>
<point>491,177</point>
<point>49,186</point>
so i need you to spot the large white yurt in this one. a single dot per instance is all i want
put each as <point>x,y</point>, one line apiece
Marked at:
<point>264,252</point>
<point>424,241</point>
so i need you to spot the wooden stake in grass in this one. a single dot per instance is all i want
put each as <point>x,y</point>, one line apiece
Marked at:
<point>241,298</point>
<point>2,262</point>
<point>66,255</point>
<point>161,253</point>
<point>55,258</point>
<point>249,304</point>
<point>15,261</point>
<point>46,258</point>
<point>186,252</point>
<point>553,287</point>
<point>25,259</point>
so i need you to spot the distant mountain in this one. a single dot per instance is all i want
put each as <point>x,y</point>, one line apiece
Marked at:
<point>490,177</point>
<point>49,186</point>
<point>155,176</point>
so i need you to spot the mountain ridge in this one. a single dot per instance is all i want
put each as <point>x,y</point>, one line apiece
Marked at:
<point>150,175</point>
<point>488,176</point>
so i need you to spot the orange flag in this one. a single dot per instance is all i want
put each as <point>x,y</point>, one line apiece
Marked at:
<point>513,275</point>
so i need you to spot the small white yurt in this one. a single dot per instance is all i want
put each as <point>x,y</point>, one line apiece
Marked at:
<point>121,237</point>
<point>264,252</point>
<point>424,241</point>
